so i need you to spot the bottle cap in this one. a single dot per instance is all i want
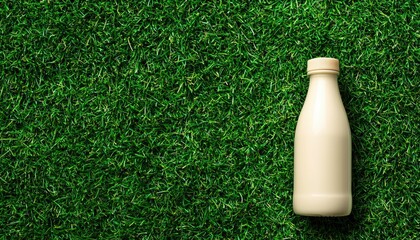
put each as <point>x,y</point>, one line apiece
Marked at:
<point>323,64</point>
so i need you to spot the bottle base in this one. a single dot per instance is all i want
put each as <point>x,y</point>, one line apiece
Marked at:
<point>322,205</point>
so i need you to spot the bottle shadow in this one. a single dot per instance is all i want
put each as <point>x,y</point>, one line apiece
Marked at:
<point>332,226</point>
<point>351,103</point>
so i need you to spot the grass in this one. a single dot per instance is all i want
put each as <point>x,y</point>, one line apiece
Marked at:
<point>176,120</point>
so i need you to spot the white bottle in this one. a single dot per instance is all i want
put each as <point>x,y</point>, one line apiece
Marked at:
<point>322,164</point>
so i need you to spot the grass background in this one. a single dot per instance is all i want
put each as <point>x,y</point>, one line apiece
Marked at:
<point>175,119</point>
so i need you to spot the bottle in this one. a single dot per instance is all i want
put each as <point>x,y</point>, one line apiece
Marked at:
<point>322,154</point>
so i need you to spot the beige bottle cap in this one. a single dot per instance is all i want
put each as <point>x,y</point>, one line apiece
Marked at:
<point>323,64</point>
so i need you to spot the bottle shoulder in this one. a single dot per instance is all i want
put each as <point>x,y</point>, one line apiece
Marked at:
<point>323,119</point>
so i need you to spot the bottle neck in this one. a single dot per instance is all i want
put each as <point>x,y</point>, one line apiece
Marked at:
<point>324,86</point>
<point>323,80</point>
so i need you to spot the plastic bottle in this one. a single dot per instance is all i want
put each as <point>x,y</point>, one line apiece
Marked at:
<point>322,157</point>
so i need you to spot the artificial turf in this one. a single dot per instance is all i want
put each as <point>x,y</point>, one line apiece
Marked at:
<point>176,119</point>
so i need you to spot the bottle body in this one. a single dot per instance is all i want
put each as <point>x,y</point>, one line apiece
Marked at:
<point>322,156</point>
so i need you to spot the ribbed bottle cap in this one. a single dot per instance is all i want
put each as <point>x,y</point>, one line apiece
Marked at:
<point>329,64</point>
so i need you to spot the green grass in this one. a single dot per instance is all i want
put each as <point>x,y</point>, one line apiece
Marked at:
<point>176,120</point>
